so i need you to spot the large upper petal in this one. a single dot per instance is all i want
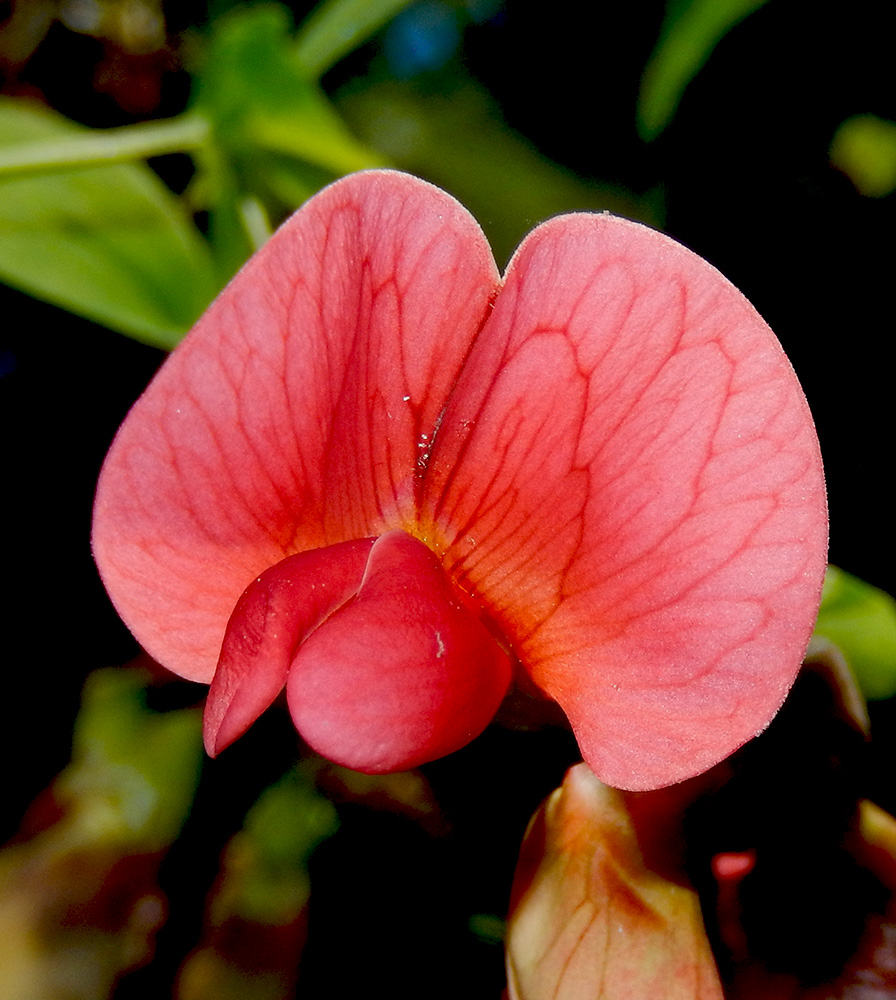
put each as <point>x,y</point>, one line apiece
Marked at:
<point>629,475</point>
<point>298,412</point>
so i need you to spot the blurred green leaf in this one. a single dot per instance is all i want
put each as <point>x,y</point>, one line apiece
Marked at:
<point>216,188</point>
<point>134,771</point>
<point>456,137</point>
<point>256,916</point>
<point>336,27</point>
<point>276,138</point>
<point>281,831</point>
<point>690,31</point>
<point>864,148</point>
<point>861,621</point>
<point>110,243</point>
<point>260,100</point>
<point>80,900</point>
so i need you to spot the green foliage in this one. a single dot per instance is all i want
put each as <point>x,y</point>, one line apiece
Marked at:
<point>81,147</point>
<point>864,148</point>
<point>337,26</point>
<point>861,621</point>
<point>276,139</point>
<point>134,771</point>
<point>279,835</point>
<point>260,99</point>
<point>110,243</point>
<point>690,31</point>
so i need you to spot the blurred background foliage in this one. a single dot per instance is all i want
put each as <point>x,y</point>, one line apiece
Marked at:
<point>146,149</point>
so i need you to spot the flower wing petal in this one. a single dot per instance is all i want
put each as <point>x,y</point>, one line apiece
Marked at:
<point>628,476</point>
<point>295,414</point>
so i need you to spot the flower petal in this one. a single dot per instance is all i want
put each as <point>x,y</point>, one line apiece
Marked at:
<point>589,919</point>
<point>296,413</point>
<point>274,615</point>
<point>629,477</point>
<point>403,674</point>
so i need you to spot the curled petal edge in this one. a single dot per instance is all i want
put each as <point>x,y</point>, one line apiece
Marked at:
<point>271,619</point>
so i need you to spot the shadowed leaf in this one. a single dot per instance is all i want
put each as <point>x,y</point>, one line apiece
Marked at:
<point>861,621</point>
<point>110,243</point>
<point>690,32</point>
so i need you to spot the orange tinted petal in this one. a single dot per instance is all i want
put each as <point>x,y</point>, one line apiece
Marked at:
<point>628,475</point>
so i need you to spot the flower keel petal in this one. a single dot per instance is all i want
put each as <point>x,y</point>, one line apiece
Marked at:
<point>270,620</point>
<point>404,674</point>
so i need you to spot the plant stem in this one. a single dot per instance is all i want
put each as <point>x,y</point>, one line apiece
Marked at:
<point>98,147</point>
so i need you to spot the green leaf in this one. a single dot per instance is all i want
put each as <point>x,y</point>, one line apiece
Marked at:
<point>110,243</point>
<point>864,148</point>
<point>336,27</point>
<point>861,621</point>
<point>97,147</point>
<point>260,99</point>
<point>276,138</point>
<point>690,31</point>
<point>279,835</point>
<point>134,771</point>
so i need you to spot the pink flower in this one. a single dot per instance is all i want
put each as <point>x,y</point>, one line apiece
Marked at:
<point>596,478</point>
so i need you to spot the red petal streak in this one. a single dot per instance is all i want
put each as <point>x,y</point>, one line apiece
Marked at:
<point>274,615</point>
<point>403,674</point>
<point>628,475</point>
